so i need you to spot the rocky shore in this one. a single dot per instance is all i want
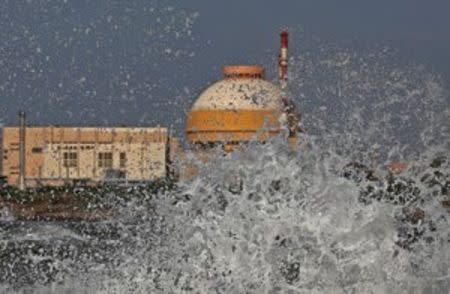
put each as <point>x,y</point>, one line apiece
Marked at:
<point>72,202</point>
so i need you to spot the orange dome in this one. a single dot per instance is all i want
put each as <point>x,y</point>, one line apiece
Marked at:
<point>241,107</point>
<point>243,71</point>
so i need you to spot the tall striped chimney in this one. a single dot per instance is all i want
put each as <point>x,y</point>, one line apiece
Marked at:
<point>283,59</point>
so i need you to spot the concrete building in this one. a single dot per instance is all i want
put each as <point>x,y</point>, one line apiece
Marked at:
<point>56,155</point>
<point>241,107</point>
<point>244,107</point>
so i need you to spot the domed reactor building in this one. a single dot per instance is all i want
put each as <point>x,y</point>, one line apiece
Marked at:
<point>243,107</point>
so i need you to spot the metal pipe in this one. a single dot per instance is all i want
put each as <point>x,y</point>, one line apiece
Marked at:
<point>22,155</point>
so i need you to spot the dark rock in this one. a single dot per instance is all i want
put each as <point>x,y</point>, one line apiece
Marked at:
<point>290,271</point>
<point>446,204</point>
<point>438,162</point>
<point>413,214</point>
<point>358,172</point>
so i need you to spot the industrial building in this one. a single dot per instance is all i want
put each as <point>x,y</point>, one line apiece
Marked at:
<point>241,107</point>
<point>57,155</point>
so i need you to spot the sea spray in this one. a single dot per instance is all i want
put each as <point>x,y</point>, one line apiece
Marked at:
<point>271,220</point>
<point>328,218</point>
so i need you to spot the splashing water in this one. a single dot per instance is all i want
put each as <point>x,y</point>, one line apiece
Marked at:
<point>384,107</point>
<point>270,220</point>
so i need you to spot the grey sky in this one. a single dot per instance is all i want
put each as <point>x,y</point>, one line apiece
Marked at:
<point>142,62</point>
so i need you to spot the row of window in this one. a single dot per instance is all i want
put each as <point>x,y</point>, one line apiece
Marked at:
<point>87,147</point>
<point>104,159</point>
<point>38,150</point>
<point>41,150</point>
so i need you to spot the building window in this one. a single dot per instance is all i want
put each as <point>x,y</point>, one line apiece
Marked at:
<point>36,150</point>
<point>70,159</point>
<point>123,159</point>
<point>105,160</point>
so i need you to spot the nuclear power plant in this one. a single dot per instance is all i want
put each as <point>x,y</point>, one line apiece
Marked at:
<point>240,108</point>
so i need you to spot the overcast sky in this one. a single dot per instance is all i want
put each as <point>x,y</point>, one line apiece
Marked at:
<point>143,62</point>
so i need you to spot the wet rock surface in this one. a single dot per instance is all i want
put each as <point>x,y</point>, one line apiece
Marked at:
<point>39,247</point>
<point>403,189</point>
<point>75,202</point>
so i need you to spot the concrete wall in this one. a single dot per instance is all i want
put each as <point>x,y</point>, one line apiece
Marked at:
<point>145,151</point>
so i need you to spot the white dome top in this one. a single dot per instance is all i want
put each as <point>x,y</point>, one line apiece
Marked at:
<point>240,94</point>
